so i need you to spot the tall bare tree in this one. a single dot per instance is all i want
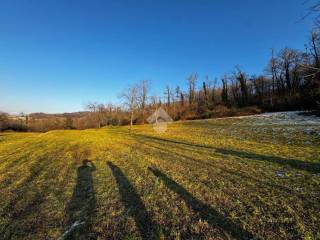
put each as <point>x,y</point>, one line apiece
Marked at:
<point>177,93</point>
<point>241,77</point>
<point>98,112</point>
<point>224,93</point>
<point>168,95</point>
<point>192,80</point>
<point>130,99</point>
<point>206,91</point>
<point>314,45</point>
<point>213,84</point>
<point>143,90</point>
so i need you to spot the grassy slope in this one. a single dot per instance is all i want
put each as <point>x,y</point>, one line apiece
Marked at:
<point>203,180</point>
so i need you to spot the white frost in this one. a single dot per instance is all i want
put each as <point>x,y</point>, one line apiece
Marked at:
<point>71,229</point>
<point>283,118</point>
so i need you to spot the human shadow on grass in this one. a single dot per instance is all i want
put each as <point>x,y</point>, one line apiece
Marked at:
<point>294,163</point>
<point>81,208</point>
<point>134,205</point>
<point>206,212</point>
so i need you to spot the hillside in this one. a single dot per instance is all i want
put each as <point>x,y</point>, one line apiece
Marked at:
<point>245,177</point>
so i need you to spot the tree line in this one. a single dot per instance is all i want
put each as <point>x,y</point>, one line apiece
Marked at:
<point>291,81</point>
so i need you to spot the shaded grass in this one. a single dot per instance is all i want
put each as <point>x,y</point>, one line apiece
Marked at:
<point>206,212</point>
<point>134,205</point>
<point>313,167</point>
<point>81,208</point>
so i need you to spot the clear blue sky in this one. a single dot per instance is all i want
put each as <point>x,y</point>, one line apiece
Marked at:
<point>56,55</point>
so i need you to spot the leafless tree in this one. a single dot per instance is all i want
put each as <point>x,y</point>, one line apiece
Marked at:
<point>314,10</point>
<point>287,57</point>
<point>260,84</point>
<point>168,94</point>
<point>177,92</point>
<point>314,46</point>
<point>3,120</point>
<point>213,85</point>
<point>143,90</point>
<point>98,112</point>
<point>130,99</point>
<point>224,93</point>
<point>241,77</point>
<point>205,87</point>
<point>192,80</point>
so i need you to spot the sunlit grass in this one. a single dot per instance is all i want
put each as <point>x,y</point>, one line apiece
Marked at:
<point>201,179</point>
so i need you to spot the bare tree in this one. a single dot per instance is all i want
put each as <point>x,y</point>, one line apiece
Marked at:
<point>181,98</point>
<point>314,9</point>
<point>213,91</point>
<point>168,95</point>
<point>3,120</point>
<point>286,60</point>
<point>143,90</point>
<point>192,79</point>
<point>177,91</point>
<point>224,93</point>
<point>98,112</point>
<point>260,87</point>
<point>241,77</point>
<point>273,70</point>
<point>130,99</point>
<point>314,44</point>
<point>206,91</point>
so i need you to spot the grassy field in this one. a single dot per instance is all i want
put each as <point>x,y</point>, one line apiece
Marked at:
<point>234,178</point>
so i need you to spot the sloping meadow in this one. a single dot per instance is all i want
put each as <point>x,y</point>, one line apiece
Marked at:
<point>240,178</point>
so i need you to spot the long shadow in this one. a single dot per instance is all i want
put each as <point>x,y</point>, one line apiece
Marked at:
<point>12,213</point>
<point>35,169</point>
<point>294,163</point>
<point>134,205</point>
<point>20,160</point>
<point>206,212</point>
<point>81,208</point>
<point>166,150</point>
<point>204,164</point>
<point>285,190</point>
<point>173,141</point>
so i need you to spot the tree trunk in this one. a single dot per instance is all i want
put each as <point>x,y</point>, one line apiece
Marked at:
<point>142,117</point>
<point>131,120</point>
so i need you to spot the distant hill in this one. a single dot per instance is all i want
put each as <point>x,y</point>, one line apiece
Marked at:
<point>41,115</point>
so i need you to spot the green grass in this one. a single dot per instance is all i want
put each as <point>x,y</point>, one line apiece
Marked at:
<point>216,179</point>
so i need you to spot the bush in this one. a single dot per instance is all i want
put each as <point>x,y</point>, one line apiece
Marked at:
<point>247,111</point>
<point>220,111</point>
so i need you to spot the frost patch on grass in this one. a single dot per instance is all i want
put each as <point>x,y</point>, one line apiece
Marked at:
<point>280,174</point>
<point>285,118</point>
<point>71,229</point>
<point>274,118</point>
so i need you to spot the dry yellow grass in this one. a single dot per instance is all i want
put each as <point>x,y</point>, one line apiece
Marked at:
<point>216,179</point>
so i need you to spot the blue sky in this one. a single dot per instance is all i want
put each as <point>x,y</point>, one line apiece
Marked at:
<point>57,55</point>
